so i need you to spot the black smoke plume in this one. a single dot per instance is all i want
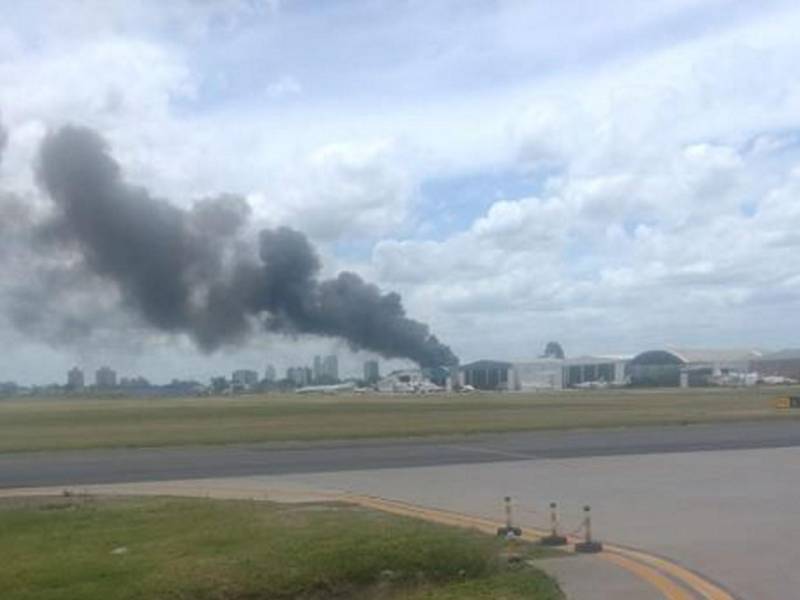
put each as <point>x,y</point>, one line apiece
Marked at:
<point>185,271</point>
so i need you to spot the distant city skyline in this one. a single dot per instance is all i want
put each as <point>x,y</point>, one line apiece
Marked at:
<point>322,368</point>
<point>669,366</point>
<point>352,365</point>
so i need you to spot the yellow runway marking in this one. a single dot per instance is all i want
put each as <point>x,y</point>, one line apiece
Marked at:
<point>656,571</point>
<point>707,589</point>
<point>665,585</point>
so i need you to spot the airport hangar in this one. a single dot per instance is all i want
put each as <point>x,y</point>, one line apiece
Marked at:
<point>785,363</point>
<point>692,367</point>
<point>544,373</point>
<point>673,367</point>
<point>667,367</point>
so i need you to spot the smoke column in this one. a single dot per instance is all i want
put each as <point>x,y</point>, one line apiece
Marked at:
<point>180,270</point>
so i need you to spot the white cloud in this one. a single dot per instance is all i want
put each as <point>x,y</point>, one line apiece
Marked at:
<point>661,141</point>
<point>530,223</point>
<point>283,87</point>
<point>341,190</point>
<point>662,253</point>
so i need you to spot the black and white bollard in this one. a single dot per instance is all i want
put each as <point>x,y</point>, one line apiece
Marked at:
<point>554,539</point>
<point>588,545</point>
<point>509,531</point>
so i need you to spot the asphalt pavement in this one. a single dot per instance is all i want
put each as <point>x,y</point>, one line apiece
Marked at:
<point>162,464</point>
<point>718,498</point>
<point>730,515</point>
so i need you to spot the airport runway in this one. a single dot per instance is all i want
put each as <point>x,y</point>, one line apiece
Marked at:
<point>152,464</point>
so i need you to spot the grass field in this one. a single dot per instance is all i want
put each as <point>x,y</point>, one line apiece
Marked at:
<point>179,549</point>
<point>72,423</point>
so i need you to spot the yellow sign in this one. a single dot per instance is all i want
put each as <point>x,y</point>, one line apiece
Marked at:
<point>783,402</point>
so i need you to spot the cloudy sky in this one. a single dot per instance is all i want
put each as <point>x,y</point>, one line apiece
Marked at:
<point>613,175</point>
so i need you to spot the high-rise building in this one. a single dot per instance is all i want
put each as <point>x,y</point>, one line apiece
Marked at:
<point>372,371</point>
<point>318,372</point>
<point>269,373</point>
<point>300,376</point>
<point>330,368</point>
<point>105,377</point>
<point>75,379</point>
<point>245,378</point>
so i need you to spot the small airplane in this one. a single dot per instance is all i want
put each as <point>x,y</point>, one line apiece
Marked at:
<point>327,389</point>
